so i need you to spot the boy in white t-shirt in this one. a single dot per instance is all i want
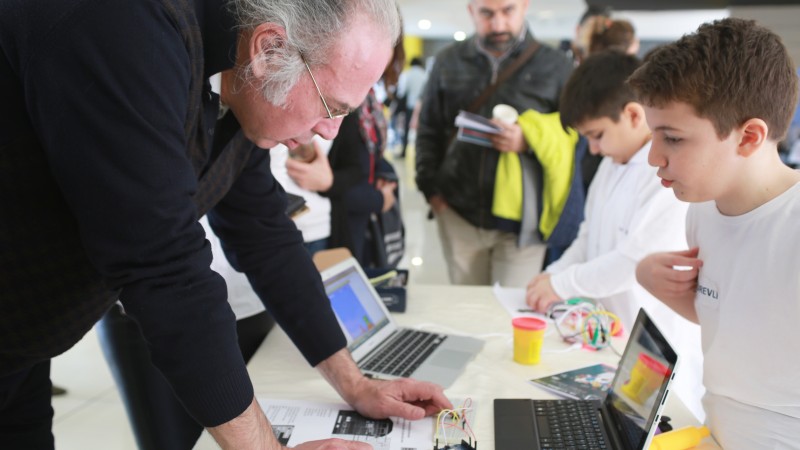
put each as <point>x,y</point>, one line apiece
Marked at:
<point>719,101</point>
<point>628,215</point>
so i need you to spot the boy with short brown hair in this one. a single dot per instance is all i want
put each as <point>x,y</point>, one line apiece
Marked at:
<point>627,215</point>
<point>718,102</point>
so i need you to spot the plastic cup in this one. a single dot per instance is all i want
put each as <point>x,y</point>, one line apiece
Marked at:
<point>505,113</point>
<point>528,338</point>
<point>646,376</point>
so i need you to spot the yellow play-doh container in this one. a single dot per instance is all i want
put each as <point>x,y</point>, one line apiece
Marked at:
<point>528,338</point>
<point>645,378</point>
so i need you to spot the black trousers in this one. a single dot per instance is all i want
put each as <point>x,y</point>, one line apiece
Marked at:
<point>26,416</point>
<point>406,130</point>
<point>158,419</point>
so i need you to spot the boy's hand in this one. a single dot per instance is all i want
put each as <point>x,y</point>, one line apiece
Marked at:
<point>509,139</point>
<point>540,294</point>
<point>672,278</point>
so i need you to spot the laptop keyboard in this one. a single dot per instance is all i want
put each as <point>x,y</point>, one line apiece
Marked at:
<point>403,353</point>
<point>569,424</point>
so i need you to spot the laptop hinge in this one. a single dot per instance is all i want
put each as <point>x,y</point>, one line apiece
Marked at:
<point>611,431</point>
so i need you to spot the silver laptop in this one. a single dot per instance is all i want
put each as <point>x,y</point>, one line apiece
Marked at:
<point>379,346</point>
<point>625,420</point>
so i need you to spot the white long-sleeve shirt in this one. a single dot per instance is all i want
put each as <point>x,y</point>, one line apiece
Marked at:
<point>629,215</point>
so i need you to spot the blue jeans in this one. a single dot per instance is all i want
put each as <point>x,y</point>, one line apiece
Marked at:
<point>315,246</point>
<point>157,418</point>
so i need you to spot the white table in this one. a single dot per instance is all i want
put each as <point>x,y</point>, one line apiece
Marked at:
<point>279,371</point>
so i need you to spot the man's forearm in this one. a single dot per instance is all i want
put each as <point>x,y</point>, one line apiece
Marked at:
<point>249,431</point>
<point>342,373</point>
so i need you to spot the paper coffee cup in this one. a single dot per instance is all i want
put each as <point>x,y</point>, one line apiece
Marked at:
<point>505,113</point>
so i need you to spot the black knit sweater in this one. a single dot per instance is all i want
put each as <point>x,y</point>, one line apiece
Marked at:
<point>109,153</point>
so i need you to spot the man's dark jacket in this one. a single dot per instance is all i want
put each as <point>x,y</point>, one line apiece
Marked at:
<point>464,173</point>
<point>110,151</point>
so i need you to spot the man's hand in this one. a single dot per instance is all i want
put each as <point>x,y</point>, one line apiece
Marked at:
<point>379,399</point>
<point>250,430</point>
<point>410,399</point>
<point>414,122</point>
<point>333,444</point>
<point>509,139</point>
<point>540,294</point>
<point>314,176</point>
<point>438,203</point>
<point>672,278</point>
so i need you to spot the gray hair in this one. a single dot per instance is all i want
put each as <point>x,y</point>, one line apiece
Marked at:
<point>312,27</point>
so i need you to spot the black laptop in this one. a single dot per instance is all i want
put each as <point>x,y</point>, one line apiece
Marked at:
<point>624,420</point>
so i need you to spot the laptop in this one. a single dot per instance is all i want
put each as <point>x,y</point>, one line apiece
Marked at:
<point>625,420</point>
<point>379,346</point>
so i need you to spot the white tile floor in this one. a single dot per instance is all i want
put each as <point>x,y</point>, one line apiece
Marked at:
<point>91,416</point>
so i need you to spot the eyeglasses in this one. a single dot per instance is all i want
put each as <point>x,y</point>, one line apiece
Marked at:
<point>331,115</point>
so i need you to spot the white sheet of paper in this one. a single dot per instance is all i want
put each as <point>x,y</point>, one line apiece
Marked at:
<point>513,300</point>
<point>295,422</point>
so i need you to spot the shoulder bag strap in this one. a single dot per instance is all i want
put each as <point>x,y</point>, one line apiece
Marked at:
<point>526,55</point>
<point>473,107</point>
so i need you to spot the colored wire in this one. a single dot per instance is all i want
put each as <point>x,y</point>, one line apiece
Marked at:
<point>598,327</point>
<point>459,421</point>
<point>585,321</point>
<point>467,426</point>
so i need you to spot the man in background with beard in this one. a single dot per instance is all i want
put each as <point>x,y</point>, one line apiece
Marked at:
<point>487,206</point>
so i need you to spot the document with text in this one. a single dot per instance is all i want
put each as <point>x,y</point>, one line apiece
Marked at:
<point>295,422</point>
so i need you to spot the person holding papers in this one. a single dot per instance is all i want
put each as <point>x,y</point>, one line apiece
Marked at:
<point>628,213</point>
<point>486,200</point>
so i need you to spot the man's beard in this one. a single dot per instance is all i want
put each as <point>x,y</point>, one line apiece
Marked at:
<point>499,42</point>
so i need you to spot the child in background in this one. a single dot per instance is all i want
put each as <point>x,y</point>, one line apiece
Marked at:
<point>628,214</point>
<point>616,34</point>
<point>719,101</point>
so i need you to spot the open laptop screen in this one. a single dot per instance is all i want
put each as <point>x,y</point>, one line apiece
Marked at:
<point>644,371</point>
<point>355,306</point>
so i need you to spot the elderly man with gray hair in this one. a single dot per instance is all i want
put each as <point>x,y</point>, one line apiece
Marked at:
<point>126,121</point>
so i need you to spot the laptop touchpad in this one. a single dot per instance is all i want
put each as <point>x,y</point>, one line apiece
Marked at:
<point>450,358</point>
